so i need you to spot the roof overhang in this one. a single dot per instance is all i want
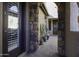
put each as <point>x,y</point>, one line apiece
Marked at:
<point>42,6</point>
<point>50,17</point>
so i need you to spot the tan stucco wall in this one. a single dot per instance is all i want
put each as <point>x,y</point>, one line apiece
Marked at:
<point>72,38</point>
<point>1,21</point>
<point>41,20</point>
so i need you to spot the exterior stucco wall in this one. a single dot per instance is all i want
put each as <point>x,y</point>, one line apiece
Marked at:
<point>72,38</point>
<point>52,26</point>
<point>1,22</point>
<point>74,17</point>
<point>41,20</point>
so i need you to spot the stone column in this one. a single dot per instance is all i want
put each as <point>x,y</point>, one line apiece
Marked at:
<point>61,29</point>
<point>33,27</point>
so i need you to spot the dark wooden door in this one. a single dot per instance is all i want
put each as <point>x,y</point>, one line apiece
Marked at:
<point>11,30</point>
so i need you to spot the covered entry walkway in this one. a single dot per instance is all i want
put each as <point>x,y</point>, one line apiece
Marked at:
<point>48,49</point>
<point>28,26</point>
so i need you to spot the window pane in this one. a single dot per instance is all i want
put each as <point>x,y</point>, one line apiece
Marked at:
<point>12,22</point>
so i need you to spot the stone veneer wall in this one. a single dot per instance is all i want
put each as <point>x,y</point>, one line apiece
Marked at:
<point>61,29</point>
<point>33,27</point>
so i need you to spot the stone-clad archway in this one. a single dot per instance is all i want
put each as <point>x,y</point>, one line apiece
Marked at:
<point>61,28</point>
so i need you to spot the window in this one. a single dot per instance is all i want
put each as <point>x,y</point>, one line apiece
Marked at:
<point>13,26</point>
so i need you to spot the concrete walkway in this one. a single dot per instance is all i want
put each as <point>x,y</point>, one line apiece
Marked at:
<point>48,49</point>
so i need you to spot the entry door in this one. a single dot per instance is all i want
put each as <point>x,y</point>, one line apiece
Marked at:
<point>11,29</point>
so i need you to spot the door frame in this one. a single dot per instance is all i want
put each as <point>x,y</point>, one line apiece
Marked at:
<point>16,51</point>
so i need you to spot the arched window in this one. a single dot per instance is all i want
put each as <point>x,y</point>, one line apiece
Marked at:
<point>13,9</point>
